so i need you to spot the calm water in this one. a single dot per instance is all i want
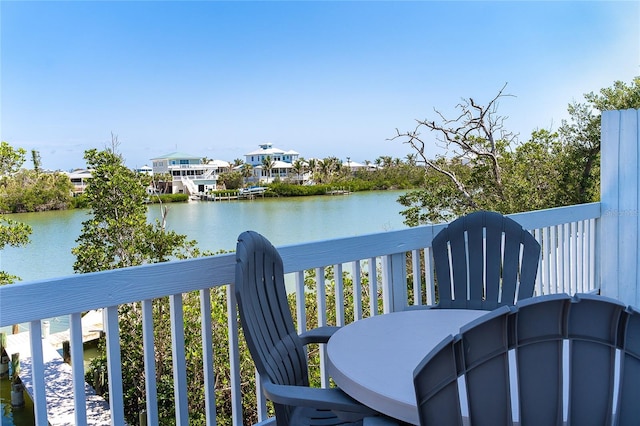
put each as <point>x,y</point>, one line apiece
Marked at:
<point>214,225</point>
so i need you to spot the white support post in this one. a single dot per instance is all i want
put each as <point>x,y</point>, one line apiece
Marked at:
<point>394,283</point>
<point>620,189</point>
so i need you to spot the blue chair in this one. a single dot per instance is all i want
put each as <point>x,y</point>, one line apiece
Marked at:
<point>484,260</point>
<point>277,349</point>
<point>600,392</point>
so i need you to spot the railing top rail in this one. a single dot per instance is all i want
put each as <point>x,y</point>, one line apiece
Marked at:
<point>557,215</point>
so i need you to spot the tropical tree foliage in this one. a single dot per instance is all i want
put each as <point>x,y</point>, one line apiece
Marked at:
<point>580,136</point>
<point>11,159</point>
<point>34,191</point>
<point>12,233</point>
<point>481,165</point>
<point>117,234</point>
<point>231,180</point>
<point>23,190</point>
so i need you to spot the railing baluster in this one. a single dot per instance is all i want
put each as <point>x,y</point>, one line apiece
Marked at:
<point>553,268</point>
<point>207,357</point>
<point>234,357</point>
<point>430,286</point>
<point>150,386</point>
<point>321,299</point>
<point>580,256</point>
<point>261,401</point>
<point>77,368</point>
<point>373,287</point>
<point>594,282</point>
<point>322,321</point>
<point>357,291</point>
<point>339,295</point>
<point>300,302</point>
<point>417,282</point>
<point>546,260</point>
<point>114,365</point>
<point>37,373</point>
<point>538,284</point>
<point>178,359</point>
<point>565,263</point>
<point>573,265</point>
<point>387,293</point>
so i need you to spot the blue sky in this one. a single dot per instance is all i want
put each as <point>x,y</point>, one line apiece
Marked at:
<point>327,78</point>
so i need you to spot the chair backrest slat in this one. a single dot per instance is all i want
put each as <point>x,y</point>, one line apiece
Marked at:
<point>485,347</point>
<point>475,245</point>
<point>437,387</point>
<point>540,330</point>
<point>493,254</point>
<point>593,331</point>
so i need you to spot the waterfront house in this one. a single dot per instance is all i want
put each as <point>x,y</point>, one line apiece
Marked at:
<point>354,166</point>
<point>282,166</point>
<point>147,170</point>
<point>190,175</point>
<point>588,248</point>
<point>79,179</point>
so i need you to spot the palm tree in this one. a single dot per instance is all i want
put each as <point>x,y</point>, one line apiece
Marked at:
<point>324,169</point>
<point>298,168</point>
<point>411,159</point>
<point>267,163</point>
<point>247,171</point>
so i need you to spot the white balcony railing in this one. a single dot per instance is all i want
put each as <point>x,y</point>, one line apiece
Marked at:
<point>383,263</point>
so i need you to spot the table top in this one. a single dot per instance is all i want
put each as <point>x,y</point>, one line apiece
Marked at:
<point>373,359</point>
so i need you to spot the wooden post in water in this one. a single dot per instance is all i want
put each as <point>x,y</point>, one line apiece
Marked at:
<point>17,390</point>
<point>4,358</point>
<point>66,352</point>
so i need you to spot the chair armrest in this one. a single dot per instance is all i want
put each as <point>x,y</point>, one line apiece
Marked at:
<point>303,396</point>
<point>318,335</point>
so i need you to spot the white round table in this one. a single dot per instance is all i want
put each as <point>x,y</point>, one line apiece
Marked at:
<point>373,359</point>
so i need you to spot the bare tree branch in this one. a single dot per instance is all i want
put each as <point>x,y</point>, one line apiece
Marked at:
<point>473,134</point>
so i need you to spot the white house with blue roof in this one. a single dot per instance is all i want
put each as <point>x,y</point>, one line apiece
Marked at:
<point>282,162</point>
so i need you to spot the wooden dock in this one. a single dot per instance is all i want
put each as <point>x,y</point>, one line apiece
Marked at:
<point>58,377</point>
